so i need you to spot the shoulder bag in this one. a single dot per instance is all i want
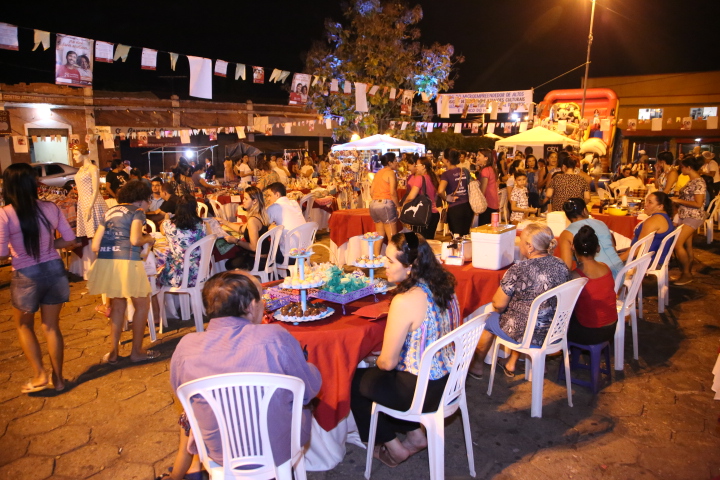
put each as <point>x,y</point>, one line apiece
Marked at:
<point>417,211</point>
<point>478,202</point>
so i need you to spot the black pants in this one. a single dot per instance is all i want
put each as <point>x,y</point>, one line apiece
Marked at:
<point>484,218</point>
<point>393,389</point>
<point>577,333</point>
<point>459,218</point>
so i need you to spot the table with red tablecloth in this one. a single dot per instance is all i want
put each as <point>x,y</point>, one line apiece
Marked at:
<point>624,225</point>
<point>345,226</point>
<point>475,286</point>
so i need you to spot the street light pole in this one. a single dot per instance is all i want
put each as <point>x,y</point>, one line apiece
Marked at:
<point>587,62</point>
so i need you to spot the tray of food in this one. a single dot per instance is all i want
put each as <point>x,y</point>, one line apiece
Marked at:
<point>292,313</point>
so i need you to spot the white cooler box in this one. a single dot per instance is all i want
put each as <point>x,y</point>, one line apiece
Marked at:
<point>493,248</point>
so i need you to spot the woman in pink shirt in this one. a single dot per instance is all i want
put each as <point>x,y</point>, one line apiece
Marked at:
<point>423,170</point>
<point>487,176</point>
<point>39,280</point>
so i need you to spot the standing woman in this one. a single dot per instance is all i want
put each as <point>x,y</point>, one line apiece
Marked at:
<point>691,211</point>
<point>119,272</point>
<point>229,175</point>
<point>385,204</point>
<point>424,180</point>
<point>532,181</point>
<point>454,188</point>
<point>487,176</point>
<point>184,184</point>
<point>39,281</point>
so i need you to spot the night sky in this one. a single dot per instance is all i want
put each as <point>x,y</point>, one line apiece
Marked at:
<point>508,44</point>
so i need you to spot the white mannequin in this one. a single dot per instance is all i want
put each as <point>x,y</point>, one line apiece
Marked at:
<point>92,202</point>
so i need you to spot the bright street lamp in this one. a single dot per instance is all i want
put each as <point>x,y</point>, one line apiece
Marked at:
<point>587,62</point>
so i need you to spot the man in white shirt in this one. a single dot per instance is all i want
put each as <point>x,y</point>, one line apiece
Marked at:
<point>282,173</point>
<point>632,182</point>
<point>282,210</point>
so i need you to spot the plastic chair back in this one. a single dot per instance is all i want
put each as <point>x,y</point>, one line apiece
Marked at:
<point>306,203</point>
<point>273,236</point>
<point>240,404</point>
<point>151,224</point>
<point>640,265</point>
<point>465,339</point>
<point>202,210</point>
<point>640,248</point>
<point>219,210</point>
<point>566,294</point>
<point>603,194</point>
<point>669,239</point>
<point>299,237</point>
<point>205,245</point>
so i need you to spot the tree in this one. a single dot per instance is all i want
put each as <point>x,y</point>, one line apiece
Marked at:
<point>379,45</point>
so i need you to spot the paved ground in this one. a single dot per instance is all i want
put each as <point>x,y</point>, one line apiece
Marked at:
<point>656,421</point>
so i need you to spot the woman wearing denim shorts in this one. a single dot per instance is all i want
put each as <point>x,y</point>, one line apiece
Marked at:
<point>385,204</point>
<point>39,280</point>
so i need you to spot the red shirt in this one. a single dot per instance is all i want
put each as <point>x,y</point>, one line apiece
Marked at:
<point>595,307</point>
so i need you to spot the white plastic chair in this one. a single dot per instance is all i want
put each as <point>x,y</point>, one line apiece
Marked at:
<point>555,340</point>
<point>620,191</point>
<point>465,339</point>
<point>268,273</point>
<point>151,224</point>
<point>219,210</point>
<point>240,403</point>
<point>640,248</point>
<point>205,245</point>
<point>307,203</point>
<point>709,223</point>
<point>603,194</point>
<point>299,237</point>
<point>626,305</point>
<point>202,209</point>
<point>660,271</point>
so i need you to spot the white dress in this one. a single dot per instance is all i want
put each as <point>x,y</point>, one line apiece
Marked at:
<point>84,183</point>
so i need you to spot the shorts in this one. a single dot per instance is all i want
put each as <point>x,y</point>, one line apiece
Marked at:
<point>383,211</point>
<point>693,223</point>
<point>42,284</point>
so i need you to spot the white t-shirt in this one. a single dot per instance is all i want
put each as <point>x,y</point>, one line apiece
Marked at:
<point>281,173</point>
<point>287,213</point>
<point>244,169</point>
<point>306,169</point>
<point>709,167</point>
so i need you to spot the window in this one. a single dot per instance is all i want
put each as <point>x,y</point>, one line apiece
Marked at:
<point>701,113</point>
<point>648,113</point>
<point>52,169</point>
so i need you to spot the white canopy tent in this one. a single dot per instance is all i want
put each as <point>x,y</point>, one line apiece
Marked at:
<point>384,143</point>
<point>536,138</point>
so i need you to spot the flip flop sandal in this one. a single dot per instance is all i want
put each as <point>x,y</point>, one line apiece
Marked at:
<point>106,360</point>
<point>508,373</point>
<point>475,376</point>
<point>30,388</point>
<point>382,454</point>
<point>149,355</point>
<point>101,309</point>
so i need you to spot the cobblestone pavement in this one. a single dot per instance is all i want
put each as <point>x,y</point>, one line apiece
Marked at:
<point>657,420</point>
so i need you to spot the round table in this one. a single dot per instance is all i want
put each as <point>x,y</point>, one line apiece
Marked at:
<point>346,228</point>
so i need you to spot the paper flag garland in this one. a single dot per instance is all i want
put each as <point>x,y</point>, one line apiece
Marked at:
<point>712,123</point>
<point>328,123</point>
<point>656,124</point>
<point>373,90</point>
<point>173,60</point>
<point>104,52</point>
<point>258,75</point>
<point>347,89</point>
<point>403,126</point>
<point>221,68</point>
<point>275,75</point>
<point>200,77</point>
<point>240,71</point>
<point>334,85</point>
<point>393,92</point>
<point>288,128</point>
<point>429,127</point>
<point>8,37</point>
<point>458,127</point>
<point>149,59</point>
<point>240,132</point>
<point>360,97</point>
<point>121,52</point>
<point>41,37</point>
<point>184,136</point>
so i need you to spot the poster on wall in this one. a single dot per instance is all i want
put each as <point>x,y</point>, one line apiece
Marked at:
<point>73,61</point>
<point>5,122</point>
<point>20,144</point>
<point>299,88</point>
<point>406,105</point>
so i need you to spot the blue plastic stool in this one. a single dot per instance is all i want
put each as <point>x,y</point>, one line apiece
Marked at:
<point>595,368</point>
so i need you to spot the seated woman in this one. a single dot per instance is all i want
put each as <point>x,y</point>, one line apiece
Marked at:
<point>424,309</point>
<point>520,285</point>
<point>257,225</point>
<point>184,229</point>
<point>595,316</point>
<point>578,215</point>
<point>660,208</point>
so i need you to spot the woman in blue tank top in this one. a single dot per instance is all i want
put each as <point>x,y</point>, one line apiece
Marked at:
<point>659,207</point>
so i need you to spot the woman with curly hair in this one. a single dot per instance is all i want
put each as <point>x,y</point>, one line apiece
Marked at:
<point>424,309</point>
<point>119,271</point>
<point>184,229</point>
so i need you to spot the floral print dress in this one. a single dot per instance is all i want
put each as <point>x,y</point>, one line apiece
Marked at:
<point>694,187</point>
<point>171,259</point>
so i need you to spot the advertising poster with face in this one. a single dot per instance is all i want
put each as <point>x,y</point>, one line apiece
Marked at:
<point>406,105</point>
<point>299,88</point>
<point>632,125</point>
<point>258,75</point>
<point>73,61</point>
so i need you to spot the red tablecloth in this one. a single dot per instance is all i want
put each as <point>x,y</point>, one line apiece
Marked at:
<point>475,286</point>
<point>622,225</point>
<point>344,224</point>
<point>336,345</point>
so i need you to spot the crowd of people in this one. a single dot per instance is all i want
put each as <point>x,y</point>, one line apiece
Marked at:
<point>423,309</point>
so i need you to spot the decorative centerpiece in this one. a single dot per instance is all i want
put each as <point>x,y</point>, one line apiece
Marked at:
<point>370,261</point>
<point>301,311</point>
<point>344,288</point>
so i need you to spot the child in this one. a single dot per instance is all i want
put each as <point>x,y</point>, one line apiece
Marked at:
<point>519,198</point>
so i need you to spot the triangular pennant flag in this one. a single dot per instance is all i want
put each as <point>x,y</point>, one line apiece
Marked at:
<point>283,76</point>
<point>240,132</point>
<point>42,37</point>
<point>34,138</point>
<point>275,75</point>
<point>121,52</point>
<point>314,81</point>
<point>240,71</point>
<point>149,59</point>
<point>173,60</point>
<point>221,68</point>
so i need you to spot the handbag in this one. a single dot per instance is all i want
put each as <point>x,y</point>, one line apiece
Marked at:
<point>417,211</point>
<point>478,202</point>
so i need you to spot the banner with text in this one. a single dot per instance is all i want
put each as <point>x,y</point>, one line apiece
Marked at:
<point>518,101</point>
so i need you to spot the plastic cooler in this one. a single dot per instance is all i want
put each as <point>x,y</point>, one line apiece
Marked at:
<point>493,248</point>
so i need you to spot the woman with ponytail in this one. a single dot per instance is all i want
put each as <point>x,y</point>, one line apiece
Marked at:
<point>521,284</point>
<point>595,316</point>
<point>39,280</point>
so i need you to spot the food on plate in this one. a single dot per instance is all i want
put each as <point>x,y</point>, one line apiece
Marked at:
<point>295,310</point>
